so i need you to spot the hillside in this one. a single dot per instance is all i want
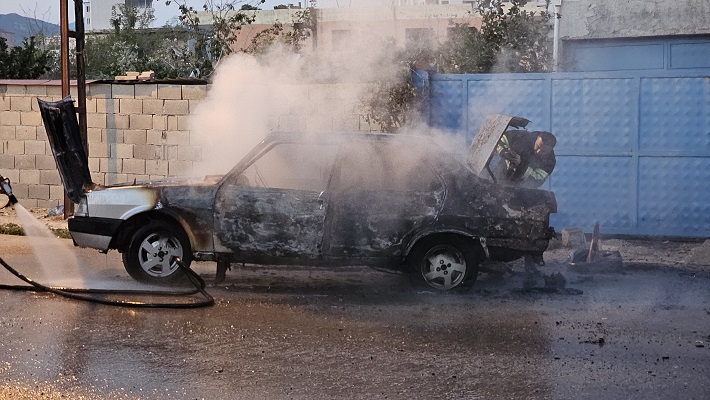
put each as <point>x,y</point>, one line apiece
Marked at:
<point>23,27</point>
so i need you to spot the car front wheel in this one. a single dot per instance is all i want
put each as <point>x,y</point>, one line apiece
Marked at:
<point>153,252</point>
<point>445,263</point>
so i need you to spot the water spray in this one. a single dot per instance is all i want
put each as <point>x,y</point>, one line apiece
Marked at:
<point>6,189</point>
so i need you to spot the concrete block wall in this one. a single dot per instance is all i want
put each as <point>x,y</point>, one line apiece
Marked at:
<point>134,131</point>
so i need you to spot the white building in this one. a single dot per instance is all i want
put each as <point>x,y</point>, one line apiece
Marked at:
<point>98,13</point>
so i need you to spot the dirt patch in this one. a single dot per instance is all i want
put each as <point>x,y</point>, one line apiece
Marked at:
<point>8,216</point>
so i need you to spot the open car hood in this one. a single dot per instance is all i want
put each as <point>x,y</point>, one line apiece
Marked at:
<point>62,128</point>
<point>484,144</point>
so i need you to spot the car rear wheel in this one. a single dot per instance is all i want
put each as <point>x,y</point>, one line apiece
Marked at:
<point>153,252</point>
<point>444,263</point>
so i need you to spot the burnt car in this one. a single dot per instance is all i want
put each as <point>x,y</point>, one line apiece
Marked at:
<point>387,200</point>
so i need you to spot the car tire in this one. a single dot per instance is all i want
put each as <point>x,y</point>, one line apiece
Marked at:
<point>445,263</point>
<point>153,251</point>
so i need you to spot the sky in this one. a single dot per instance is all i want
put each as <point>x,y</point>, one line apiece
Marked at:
<point>48,10</point>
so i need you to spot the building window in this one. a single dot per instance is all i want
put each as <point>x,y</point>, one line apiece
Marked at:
<point>341,39</point>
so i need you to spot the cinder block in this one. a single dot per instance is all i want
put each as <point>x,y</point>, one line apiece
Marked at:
<point>7,132</point>
<point>35,147</point>
<point>50,177</point>
<point>27,133</point>
<point>130,106</point>
<point>39,192</point>
<point>20,103</point>
<point>112,179</point>
<point>56,193</point>
<point>20,190</point>
<point>98,90</point>
<point>45,162</point>
<point>94,164</point>
<point>107,106</point>
<point>134,166</point>
<point>169,92</point>
<point>146,91</point>
<point>134,136</point>
<point>111,165</point>
<point>156,167</point>
<point>148,152</point>
<point>4,103</point>
<point>7,161</point>
<point>179,168</point>
<point>51,203</point>
<point>27,202</point>
<point>194,92</point>
<point>117,121</point>
<point>139,121</point>
<point>176,107</point>
<point>137,177</point>
<point>10,118</point>
<point>113,135</point>
<point>14,147</point>
<point>14,90</point>
<point>160,122</point>
<point>189,153</point>
<point>121,150</point>
<point>54,92</point>
<point>99,149</point>
<point>170,153</point>
<point>183,122</point>
<point>177,137</point>
<point>172,123</point>
<point>25,162</point>
<point>96,120</point>
<point>94,135</point>
<point>123,91</point>
<point>153,106</point>
<point>32,118</point>
<point>29,176</point>
<point>98,177</point>
<point>36,90</point>
<point>193,104</point>
<point>90,106</point>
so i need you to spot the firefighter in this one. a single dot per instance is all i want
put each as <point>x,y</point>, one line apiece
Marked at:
<point>526,158</point>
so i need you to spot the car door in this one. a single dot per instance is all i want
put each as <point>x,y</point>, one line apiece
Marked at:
<point>384,192</point>
<point>275,207</point>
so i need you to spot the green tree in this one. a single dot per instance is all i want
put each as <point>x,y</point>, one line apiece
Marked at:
<point>510,40</point>
<point>211,42</point>
<point>131,46</point>
<point>23,62</point>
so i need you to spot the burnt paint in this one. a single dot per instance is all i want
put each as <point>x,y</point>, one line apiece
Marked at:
<point>273,222</point>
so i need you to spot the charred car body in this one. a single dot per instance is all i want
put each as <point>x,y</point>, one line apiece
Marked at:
<point>336,199</point>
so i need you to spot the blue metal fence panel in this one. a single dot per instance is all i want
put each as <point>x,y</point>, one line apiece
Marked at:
<point>633,147</point>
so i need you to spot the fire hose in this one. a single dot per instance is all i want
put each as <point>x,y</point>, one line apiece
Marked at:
<point>89,294</point>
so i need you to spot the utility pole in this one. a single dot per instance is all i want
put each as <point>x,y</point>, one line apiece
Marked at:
<point>79,38</point>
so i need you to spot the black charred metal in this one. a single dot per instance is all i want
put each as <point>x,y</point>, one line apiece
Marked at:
<point>62,128</point>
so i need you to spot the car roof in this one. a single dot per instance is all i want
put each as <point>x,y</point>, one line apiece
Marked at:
<point>327,137</point>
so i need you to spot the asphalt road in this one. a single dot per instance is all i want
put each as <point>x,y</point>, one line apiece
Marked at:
<point>355,333</point>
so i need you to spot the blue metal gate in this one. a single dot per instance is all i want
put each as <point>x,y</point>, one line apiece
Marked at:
<point>633,148</point>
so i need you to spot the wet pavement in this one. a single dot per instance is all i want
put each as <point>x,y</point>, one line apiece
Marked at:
<point>305,333</point>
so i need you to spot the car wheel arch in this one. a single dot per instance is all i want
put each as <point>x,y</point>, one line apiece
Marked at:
<point>125,231</point>
<point>430,234</point>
